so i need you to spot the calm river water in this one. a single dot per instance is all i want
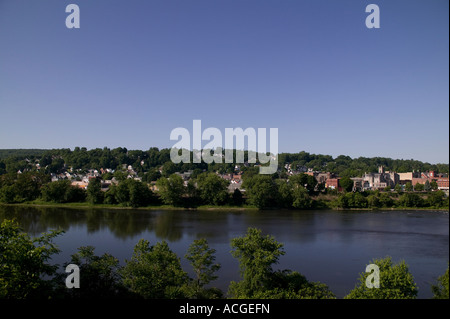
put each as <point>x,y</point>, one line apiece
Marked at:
<point>332,247</point>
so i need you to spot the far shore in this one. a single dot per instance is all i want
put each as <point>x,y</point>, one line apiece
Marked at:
<point>199,208</point>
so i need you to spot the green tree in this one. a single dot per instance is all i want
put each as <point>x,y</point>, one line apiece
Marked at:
<point>396,282</point>
<point>437,199</point>
<point>212,189</point>
<point>130,192</point>
<point>307,181</point>
<point>171,189</point>
<point>301,198</point>
<point>440,288</point>
<point>99,275</point>
<point>257,254</point>
<point>373,201</point>
<point>18,188</point>
<point>346,183</point>
<point>284,190</point>
<point>261,190</point>
<point>287,284</point>
<point>94,191</point>
<point>62,192</point>
<point>168,169</point>
<point>351,200</point>
<point>419,187</point>
<point>434,185</point>
<point>154,272</point>
<point>410,200</point>
<point>408,187</point>
<point>202,259</point>
<point>386,200</point>
<point>24,262</point>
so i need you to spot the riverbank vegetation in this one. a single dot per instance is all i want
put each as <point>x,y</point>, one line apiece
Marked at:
<point>150,179</point>
<point>209,190</point>
<point>154,271</point>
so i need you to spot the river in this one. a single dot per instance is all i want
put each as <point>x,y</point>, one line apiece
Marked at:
<point>332,247</point>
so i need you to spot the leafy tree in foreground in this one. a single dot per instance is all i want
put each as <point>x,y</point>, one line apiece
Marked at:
<point>24,262</point>
<point>99,276</point>
<point>202,258</point>
<point>396,282</point>
<point>154,272</point>
<point>440,289</point>
<point>257,254</point>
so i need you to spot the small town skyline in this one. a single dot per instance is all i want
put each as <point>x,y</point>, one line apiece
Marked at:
<point>326,178</point>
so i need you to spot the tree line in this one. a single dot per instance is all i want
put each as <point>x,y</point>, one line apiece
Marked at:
<point>147,163</point>
<point>155,272</point>
<point>300,191</point>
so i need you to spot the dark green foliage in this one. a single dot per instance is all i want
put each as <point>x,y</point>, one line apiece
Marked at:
<point>411,200</point>
<point>256,254</point>
<point>62,192</point>
<point>261,191</point>
<point>18,188</point>
<point>171,189</point>
<point>94,191</point>
<point>352,200</point>
<point>237,198</point>
<point>440,288</point>
<point>154,272</point>
<point>396,282</point>
<point>99,276</point>
<point>130,192</point>
<point>202,260</point>
<point>437,199</point>
<point>212,189</point>
<point>346,183</point>
<point>25,271</point>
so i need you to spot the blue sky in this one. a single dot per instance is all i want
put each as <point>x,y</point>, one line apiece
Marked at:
<point>137,69</point>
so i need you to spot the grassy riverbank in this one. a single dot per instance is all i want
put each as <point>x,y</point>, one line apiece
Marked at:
<point>323,206</point>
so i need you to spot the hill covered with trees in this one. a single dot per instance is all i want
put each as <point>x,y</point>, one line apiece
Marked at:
<point>149,161</point>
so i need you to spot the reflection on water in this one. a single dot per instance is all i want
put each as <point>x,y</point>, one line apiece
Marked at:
<point>328,246</point>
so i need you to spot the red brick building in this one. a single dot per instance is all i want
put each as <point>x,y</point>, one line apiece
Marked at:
<point>333,183</point>
<point>442,183</point>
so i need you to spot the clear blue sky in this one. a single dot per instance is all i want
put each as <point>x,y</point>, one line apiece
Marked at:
<point>137,69</point>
